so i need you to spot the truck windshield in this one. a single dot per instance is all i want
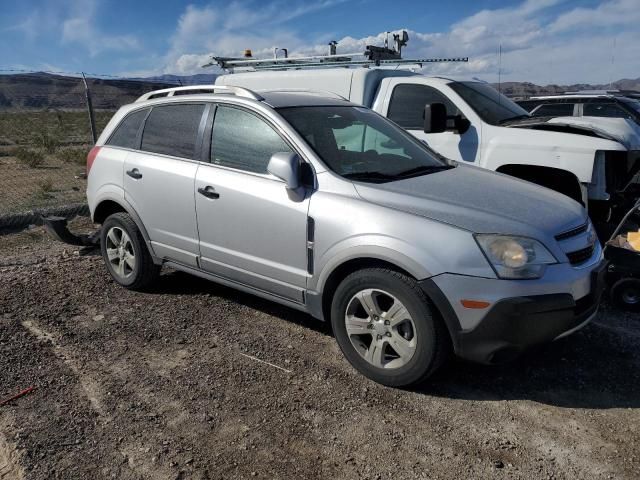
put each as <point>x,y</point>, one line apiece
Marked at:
<point>493,107</point>
<point>359,144</point>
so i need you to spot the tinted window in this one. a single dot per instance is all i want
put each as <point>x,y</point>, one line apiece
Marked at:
<point>603,110</point>
<point>242,140</point>
<point>407,104</point>
<point>127,132</point>
<point>172,130</point>
<point>554,110</point>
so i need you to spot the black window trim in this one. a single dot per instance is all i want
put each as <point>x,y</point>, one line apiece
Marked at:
<point>138,134</point>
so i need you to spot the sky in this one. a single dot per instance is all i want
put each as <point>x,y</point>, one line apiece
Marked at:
<point>542,41</point>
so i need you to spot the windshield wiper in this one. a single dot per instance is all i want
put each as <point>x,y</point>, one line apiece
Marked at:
<point>377,177</point>
<point>422,170</point>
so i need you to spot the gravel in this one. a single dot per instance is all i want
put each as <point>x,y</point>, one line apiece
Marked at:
<point>183,382</point>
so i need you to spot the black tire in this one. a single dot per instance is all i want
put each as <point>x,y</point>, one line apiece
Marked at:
<point>433,343</point>
<point>144,272</point>
<point>625,294</point>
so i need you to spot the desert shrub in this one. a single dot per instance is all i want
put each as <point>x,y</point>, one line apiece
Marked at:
<point>77,156</point>
<point>48,141</point>
<point>45,185</point>
<point>28,157</point>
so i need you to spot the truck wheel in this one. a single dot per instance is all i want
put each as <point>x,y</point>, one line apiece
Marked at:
<point>387,328</point>
<point>125,253</point>
<point>625,293</point>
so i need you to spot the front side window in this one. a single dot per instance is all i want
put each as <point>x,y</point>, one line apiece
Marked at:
<point>126,134</point>
<point>604,110</point>
<point>244,141</point>
<point>554,110</point>
<point>493,107</point>
<point>173,130</point>
<point>359,144</point>
<point>408,100</point>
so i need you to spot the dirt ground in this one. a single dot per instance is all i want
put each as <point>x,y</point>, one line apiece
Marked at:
<point>168,385</point>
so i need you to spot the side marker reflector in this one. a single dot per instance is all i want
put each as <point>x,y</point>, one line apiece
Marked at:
<point>477,304</point>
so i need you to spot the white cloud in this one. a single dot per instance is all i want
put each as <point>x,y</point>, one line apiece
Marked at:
<point>538,43</point>
<point>80,28</point>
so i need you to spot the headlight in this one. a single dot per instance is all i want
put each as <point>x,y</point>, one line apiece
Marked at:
<point>515,257</point>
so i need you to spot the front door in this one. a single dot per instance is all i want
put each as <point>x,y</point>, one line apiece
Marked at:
<point>252,231</point>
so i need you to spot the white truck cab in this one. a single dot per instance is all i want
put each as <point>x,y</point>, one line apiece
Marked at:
<point>594,162</point>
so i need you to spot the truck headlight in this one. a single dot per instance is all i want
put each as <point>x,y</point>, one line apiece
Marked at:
<point>515,257</point>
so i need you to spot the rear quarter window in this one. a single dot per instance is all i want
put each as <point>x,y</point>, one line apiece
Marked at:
<point>126,133</point>
<point>173,130</point>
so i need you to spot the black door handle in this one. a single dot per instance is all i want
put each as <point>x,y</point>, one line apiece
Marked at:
<point>135,173</point>
<point>208,192</point>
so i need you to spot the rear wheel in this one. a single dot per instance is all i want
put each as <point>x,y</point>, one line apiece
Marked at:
<point>125,252</point>
<point>625,293</point>
<point>387,328</point>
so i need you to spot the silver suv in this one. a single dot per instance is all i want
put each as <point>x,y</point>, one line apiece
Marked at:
<point>331,209</point>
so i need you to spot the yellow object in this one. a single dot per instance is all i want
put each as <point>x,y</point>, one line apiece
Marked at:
<point>634,240</point>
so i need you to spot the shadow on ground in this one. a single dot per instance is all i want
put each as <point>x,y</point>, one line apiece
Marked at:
<point>598,367</point>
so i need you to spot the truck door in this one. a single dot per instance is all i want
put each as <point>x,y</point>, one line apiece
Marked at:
<point>404,104</point>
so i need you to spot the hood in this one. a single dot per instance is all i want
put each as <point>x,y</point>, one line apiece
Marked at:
<point>621,130</point>
<point>480,201</point>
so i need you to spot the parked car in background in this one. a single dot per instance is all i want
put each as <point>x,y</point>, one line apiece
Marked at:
<point>469,121</point>
<point>582,104</point>
<point>327,207</point>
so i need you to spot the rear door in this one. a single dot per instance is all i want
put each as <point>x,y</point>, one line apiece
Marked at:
<point>159,178</point>
<point>405,106</point>
<point>252,230</point>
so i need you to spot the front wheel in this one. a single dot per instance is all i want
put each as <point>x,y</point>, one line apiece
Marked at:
<point>125,252</point>
<point>625,293</point>
<point>387,328</point>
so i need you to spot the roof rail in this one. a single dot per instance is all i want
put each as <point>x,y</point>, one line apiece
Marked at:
<point>319,93</point>
<point>196,89</point>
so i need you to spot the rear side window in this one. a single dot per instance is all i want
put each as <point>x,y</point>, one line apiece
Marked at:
<point>242,140</point>
<point>408,101</point>
<point>173,130</point>
<point>554,110</point>
<point>126,134</point>
<point>604,110</point>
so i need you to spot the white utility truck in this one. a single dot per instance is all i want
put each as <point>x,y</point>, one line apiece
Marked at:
<point>592,160</point>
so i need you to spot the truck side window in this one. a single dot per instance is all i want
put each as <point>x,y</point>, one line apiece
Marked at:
<point>603,110</point>
<point>406,107</point>
<point>244,141</point>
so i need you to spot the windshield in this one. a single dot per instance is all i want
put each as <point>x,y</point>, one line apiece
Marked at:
<point>493,107</point>
<point>359,144</point>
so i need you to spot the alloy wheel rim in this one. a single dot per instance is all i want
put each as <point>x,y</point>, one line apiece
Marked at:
<point>380,329</point>
<point>120,252</point>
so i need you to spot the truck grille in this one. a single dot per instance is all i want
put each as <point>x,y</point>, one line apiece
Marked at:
<point>580,256</point>
<point>574,232</point>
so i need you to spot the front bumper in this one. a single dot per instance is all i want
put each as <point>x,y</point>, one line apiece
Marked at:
<point>516,323</point>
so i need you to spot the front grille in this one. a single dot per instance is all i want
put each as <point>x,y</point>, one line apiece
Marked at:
<point>580,256</point>
<point>574,232</point>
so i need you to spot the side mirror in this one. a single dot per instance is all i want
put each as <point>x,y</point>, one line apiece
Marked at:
<point>285,166</point>
<point>435,118</point>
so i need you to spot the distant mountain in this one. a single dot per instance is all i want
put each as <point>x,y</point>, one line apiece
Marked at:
<point>527,89</point>
<point>197,79</point>
<point>41,91</point>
